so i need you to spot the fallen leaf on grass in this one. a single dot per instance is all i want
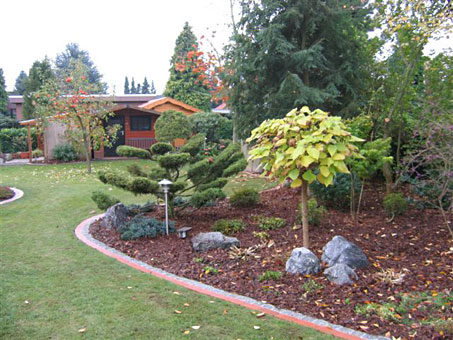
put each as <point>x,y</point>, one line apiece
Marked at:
<point>256,327</point>
<point>176,293</point>
<point>186,332</point>
<point>186,304</point>
<point>178,311</point>
<point>260,315</point>
<point>196,327</point>
<point>82,330</point>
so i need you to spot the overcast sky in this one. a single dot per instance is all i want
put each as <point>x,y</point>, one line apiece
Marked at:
<point>133,38</point>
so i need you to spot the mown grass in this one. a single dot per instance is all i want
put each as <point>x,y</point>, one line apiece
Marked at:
<point>52,285</point>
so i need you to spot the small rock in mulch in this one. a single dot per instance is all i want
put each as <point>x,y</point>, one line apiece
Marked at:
<point>340,274</point>
<point>339,250</point>
<point>213,240</point>
<point>303,261</point>
<point>115,217</point>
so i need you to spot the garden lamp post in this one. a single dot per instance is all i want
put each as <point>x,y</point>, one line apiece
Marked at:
<point>165,184</point>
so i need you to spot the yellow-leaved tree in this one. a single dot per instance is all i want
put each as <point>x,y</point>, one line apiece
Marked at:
<point>305,146</point>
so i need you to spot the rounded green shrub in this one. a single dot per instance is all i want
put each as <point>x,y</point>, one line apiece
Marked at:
<point>161,148</point>
<point>270,223</point>
<point>395,204</point>
<point>316,212</point>
<point>64,152</point>
<point>245,197</point>
<point>102,200</point>
<point>228,227</point>
<point>173,160</point>
<point>130,151</point>
<point>205,197</point>
<point>141,226</point>
<point>141,185</point>
<point>338,194</point>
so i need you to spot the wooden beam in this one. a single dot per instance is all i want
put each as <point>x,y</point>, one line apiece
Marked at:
<point>29,144</point>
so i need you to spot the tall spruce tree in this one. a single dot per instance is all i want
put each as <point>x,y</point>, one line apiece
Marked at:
<point>145,87</point>
<point>139,89</point>
<point>152,90</point>
<point>40,72</point>
<point>19,86</point>
<point>63,66</point>
<point>126,86</point>
<point>133,88</point>
<point>291,53</point>
<point>184,85</point>
<point>3,94</point>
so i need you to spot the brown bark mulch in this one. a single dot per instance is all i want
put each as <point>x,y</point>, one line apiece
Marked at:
<point>416,245</point>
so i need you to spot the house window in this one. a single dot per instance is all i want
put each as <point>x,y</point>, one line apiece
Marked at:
<point>140,123</point>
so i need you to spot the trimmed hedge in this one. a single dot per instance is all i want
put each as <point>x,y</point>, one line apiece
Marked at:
<point>130,151</point>
<point>16,140</point>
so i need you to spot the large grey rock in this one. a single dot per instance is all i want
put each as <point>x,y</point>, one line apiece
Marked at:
<point>340,274</point>
<point>115,216</point>
<point>339,250</point>
<point>213,240</point>
<point>303,261</point>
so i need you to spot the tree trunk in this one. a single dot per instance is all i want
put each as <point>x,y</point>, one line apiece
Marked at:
<point>304,198</point>
<point>86,144</point>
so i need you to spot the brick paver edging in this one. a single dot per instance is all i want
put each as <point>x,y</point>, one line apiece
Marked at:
<point>83,233</point>
<point>17,194</point>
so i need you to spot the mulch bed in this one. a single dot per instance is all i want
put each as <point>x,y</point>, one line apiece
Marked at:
<point>416,244</point>
<point>5,193</point>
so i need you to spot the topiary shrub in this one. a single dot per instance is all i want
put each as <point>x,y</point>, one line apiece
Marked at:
<point>338,194</point>
<point>228,227</point>
<point>205,197</point>
<point>270,223</point>
<point>102,200</point>
<point>137,209</point>
<point>130,151</point>
<point>64,152</point>
<point>316,212</point>
<point>245,197</point>
<point>141,226</point>
<point>395,204</point>
<point>161,148</point>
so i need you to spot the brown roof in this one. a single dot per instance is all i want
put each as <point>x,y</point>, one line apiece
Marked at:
<point>152,104</point>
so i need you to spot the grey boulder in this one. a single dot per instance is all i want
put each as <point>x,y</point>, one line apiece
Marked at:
<point>341,251</point>
<point>340,274</point>
<point>213,240</point>
<point>303,261</point>
<point>115,216</point>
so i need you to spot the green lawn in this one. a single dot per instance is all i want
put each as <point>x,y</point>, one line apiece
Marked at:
<point>52,285</point>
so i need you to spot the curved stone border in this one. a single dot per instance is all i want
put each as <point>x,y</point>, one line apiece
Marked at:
<point>17,194</point>
<point>83,233</point>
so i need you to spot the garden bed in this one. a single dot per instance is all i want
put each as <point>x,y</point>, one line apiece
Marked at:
<point>5,193</point>
<point>416,245</point>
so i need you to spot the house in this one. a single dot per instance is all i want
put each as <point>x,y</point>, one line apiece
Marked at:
<point>135,116</point>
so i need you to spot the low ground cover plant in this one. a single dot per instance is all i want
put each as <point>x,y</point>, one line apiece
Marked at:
<point>316,212</point>
<point>103,200</point>
<point>245,197</point>
<point>269,223</point>
<point>141,226</point>
<point>270,275</point>
<point>395,204</point>
<point>228,227</point>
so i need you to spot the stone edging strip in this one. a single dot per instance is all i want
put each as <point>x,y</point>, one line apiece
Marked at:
<point>17,194</point>
<point>83,233</point>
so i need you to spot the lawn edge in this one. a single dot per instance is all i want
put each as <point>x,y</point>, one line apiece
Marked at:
<point>82,232</point>
<point>17,195</point>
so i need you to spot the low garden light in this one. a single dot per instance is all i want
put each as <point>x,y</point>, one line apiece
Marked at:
<point>165,184</point>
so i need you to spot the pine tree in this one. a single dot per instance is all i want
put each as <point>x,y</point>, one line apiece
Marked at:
<point>133,88</point>
<point>184,85</point>
<point>292,53</point>
<point>139,89</point>
<point>152,89</point>
<point>145,88</point>
<point>19,87</point>
<point>40,72</point>
<point>3,94</point>
<point>126,86</point>
<point>64,65</point>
